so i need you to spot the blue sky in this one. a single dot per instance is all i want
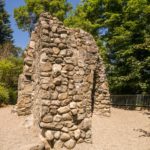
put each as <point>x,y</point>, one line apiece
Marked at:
<point>21,38</point>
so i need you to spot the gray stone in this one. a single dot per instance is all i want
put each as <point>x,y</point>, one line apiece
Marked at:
<point>57,40</point>
<point>56,68</point>
<point>59,60</point>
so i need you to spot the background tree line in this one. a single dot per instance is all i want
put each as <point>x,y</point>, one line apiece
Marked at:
<point>10,62</point>
<point>120,27</point>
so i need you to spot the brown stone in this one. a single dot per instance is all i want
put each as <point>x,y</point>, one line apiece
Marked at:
<point>77,134</point>
<point>73,105</point>
<point>57,134</point>
<point>58,145</point>
<point>57,81</point>
<point>56,50</point>
<point>47,119</point>
<point>49,135</point>
<point>57,118</point>
<point>62,96</point>
<point>70,144</point>
<point>63,110</point>
<point>54,95</point>
<point>28,61</point>
<point>65,136</point>
<point>45,67</point>
<point>66,117</point>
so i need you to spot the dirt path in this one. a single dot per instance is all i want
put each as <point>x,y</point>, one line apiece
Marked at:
<point>124,130</point>
<point>14,135</point>
<point>120,131</point>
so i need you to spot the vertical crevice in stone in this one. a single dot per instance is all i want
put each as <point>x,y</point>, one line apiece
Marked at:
<point>93,91</point>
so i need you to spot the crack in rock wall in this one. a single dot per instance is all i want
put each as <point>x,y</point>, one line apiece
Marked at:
<point>63,83</point>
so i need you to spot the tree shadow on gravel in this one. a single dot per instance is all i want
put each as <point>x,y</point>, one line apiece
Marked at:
<point>144,132</point>
<point>147,113</point>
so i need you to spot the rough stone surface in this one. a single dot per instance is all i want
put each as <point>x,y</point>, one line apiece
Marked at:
<point>70,144</point>
<point>49,135</point>
<point>63,83</point>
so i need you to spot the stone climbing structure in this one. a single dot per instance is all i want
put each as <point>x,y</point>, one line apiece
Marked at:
<point>63,83</point>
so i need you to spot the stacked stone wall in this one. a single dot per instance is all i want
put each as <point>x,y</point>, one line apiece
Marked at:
<point>63,83</point>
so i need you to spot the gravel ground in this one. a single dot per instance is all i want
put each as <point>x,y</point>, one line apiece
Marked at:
<point>14,134</point>
<point>124,130</point>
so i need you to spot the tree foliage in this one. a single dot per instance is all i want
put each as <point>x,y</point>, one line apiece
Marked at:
<point>10,63</point>
<point>122,29</point>
<point>4,95</point>
<point>27,15</point>
<point>5,30</point>
<point>10,68</point>
<point>8,49</point>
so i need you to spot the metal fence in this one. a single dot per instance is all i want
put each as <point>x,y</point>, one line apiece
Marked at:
<point>131,100</point>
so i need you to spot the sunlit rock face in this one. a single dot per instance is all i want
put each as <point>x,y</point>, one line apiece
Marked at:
<point>63,83</point>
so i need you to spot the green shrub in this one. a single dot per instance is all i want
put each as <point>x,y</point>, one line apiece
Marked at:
<point>4,95</point>
<point>10,68</point>
<point>12,96</point>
